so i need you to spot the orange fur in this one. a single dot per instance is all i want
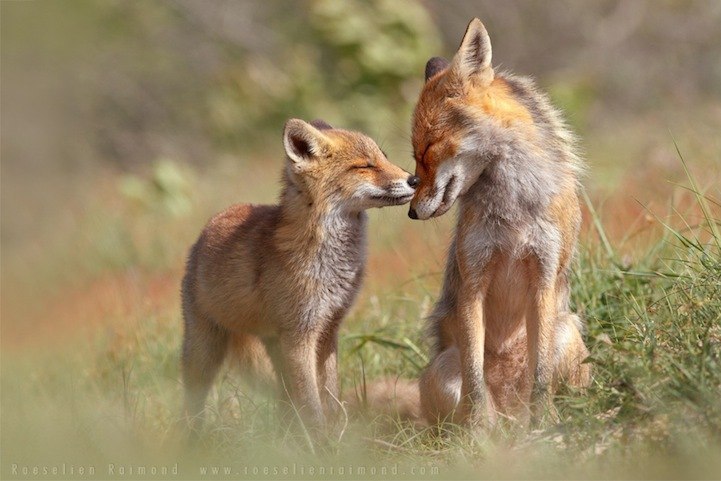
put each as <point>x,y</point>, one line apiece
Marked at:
<point>497,101</point>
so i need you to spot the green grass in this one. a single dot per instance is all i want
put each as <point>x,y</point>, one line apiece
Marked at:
<point>653,409</point>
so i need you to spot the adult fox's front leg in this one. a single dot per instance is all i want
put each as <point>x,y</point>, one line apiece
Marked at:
<point>541,330</point>
<point>471,334</point>
<point>471,339</point>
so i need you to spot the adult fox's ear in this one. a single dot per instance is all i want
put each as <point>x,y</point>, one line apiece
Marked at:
<point>473,59</point>
<point>302,141</point>
<point>435,65</point>
<point>320,124</point>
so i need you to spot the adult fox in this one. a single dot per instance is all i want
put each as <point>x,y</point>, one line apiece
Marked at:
<point>277,280</point>
<point>503,331</point>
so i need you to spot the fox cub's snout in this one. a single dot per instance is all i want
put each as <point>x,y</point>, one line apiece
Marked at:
<point>344,169</point>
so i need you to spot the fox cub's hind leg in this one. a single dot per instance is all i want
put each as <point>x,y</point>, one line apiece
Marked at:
<point>204,348</point>
<point>570,352</point>
<point>250,354</point>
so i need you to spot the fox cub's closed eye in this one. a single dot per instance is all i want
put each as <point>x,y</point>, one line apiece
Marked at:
<point>363,166</point>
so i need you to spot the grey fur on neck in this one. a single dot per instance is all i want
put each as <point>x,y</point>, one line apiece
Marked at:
<point>335,236</point>
<point>521,176</point>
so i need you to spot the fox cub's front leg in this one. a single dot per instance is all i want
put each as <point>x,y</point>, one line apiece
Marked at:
<point>298,353</point>
<point>327,365</point>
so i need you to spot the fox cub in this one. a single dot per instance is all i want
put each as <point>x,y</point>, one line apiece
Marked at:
<point>285,275</point>
<point>503,330</point>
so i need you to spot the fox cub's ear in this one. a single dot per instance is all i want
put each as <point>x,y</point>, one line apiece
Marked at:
<point>302,141</point>
<point>473,59</point>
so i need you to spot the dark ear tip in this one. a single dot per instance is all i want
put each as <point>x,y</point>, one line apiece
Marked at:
<point>435,65</point>
<point>320,124</point>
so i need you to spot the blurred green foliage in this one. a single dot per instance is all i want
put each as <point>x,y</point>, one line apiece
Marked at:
<point>356,63</point>
<point>166,191</point>
<point>575,99</point>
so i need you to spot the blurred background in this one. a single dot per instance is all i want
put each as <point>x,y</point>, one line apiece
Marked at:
<point>127,124</point>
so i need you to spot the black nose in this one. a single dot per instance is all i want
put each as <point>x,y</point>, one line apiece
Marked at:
<point>412,212</point>
<point>413,180</point>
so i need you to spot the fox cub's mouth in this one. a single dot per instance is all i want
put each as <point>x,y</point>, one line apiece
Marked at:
<point>393,199</point>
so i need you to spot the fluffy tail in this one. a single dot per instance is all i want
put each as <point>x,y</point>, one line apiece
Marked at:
<point>395,397</point>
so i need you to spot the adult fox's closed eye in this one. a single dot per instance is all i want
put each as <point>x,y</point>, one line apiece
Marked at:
<point>279,279</point>
<point>502,327</point>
